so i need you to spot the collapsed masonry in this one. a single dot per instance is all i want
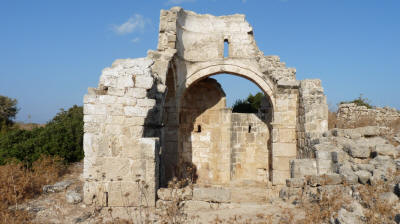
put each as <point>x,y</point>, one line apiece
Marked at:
<point>151,118</point>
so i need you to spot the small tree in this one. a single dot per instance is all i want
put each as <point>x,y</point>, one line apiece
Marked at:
<point>249,105</point>
<point>8,111</point>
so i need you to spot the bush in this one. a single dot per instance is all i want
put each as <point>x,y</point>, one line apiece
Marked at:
<point>62,136</point>
<point>360,101</point>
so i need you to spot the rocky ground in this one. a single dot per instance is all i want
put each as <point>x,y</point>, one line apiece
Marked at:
<point>354,178</point>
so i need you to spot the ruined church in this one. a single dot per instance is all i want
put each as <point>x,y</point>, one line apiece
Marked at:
<point>161,117</point>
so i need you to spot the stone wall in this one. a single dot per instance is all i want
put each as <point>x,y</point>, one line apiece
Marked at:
<point>204,132</point>
<point>351,115</point>
<point>312,116</point>
<point>250,146</point>
<point>117,154</point>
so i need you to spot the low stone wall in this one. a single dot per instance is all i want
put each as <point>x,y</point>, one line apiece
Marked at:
<point>350,115</point>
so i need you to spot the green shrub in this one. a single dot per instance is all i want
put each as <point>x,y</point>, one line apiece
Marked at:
<point>360,101</point>
<point>62,136</point>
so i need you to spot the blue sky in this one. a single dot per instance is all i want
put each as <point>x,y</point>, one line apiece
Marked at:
<point>51,51</point>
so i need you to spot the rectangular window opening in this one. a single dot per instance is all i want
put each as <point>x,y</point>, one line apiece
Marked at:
<point>226,48</point>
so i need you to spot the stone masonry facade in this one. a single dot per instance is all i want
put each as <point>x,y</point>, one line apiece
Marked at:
<point>148,115</point>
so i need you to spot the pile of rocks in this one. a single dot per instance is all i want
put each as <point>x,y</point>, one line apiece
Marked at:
<point>344,160</point>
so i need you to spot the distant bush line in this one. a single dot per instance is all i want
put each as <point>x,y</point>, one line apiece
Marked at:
<point>61,137</point>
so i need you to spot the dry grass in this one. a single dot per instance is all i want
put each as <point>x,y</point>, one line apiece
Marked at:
<point>377,210</point>
<point>18,183</point>
<point>332,120</point>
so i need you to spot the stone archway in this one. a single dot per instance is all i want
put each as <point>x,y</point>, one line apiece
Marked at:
<point>259,79</point>
<point>225,147</point>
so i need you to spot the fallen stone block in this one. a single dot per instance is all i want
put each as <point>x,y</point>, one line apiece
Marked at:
<point>73,197</point>
<point>385,150</point>
<point>363,176</point>
<point>332,179</point>
<point>57,187</point>
<point>358,151</point>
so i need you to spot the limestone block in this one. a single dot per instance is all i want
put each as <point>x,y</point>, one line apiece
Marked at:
<point>135,121</point>
<point>303,167</point>
<point>332,179</point>
<point>169,194</point>
<point>284,149</point>
<point>287,193</point>
<point>281,163</point>
<point>145,82</point>
<point>295,182</point>
<point>385,150</point>
<point>138,93</point>
<point>358,151</point>
<point>115,109</point>
<point>89,99</point>
<point>107,99</point>
<point>363,176</point>
<point>339,157</point>
<point>113,91</point>
<point>127,101</point>
<point>193,205</point>
<point>146,102</point>
<point>125,81</point>
<point>135,111</point>
<point>94,109</point>
<point>279,177</point>
<point>94,118</point>
<point>115,119</point>
<point>211,194</point>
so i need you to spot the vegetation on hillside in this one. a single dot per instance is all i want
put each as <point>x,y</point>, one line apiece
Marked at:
<point>360,101</point>
<point>62,137</point>
<point>249,105</point>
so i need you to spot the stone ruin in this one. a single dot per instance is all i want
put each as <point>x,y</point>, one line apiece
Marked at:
<point>151,118</point>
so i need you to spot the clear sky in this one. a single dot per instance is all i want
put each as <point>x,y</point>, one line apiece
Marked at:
<point>51,51</point>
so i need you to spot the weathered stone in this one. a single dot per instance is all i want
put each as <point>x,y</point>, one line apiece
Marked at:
<point>385,150</point>
<point>388,198</point>
<point>73,197</point>
<point>358,151</point>
<point>303,167</point>
<point>170,194</point>
<point>287,193</point>
<point>57,187</point>
<point>295,182</point>
<point>339,157</point>
<point>363,176</point>
<point>332,179</point>
<point>211,194</point>
<point>355,216</point>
